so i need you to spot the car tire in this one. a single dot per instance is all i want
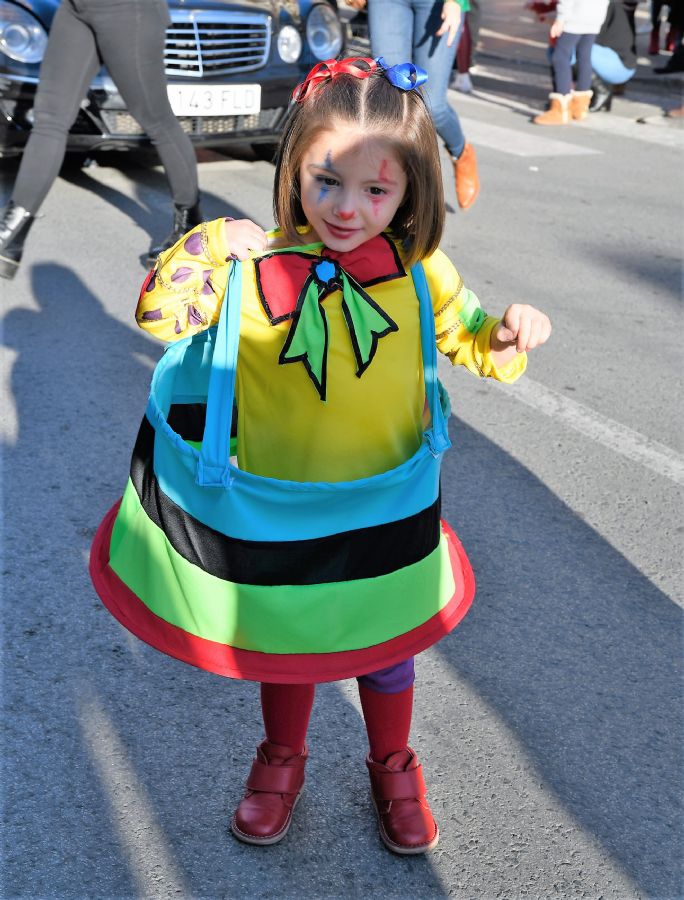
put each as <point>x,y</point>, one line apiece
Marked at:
<point>265,152</point>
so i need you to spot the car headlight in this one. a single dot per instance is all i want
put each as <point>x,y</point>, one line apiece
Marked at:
<point>22,37</point>
<point>324,31</point>
<point>289,44</point>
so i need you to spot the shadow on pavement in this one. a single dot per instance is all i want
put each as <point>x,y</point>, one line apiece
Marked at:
<point>578,653</point>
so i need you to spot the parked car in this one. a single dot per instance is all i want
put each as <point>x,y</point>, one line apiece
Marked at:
<point>231,66</point>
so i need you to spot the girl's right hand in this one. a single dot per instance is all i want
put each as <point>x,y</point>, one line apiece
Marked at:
<point>244,237</point>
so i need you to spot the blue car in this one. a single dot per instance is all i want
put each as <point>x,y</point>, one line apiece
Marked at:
<point>231,67</point>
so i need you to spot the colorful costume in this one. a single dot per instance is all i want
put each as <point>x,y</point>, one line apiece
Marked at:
<point>318,555</point>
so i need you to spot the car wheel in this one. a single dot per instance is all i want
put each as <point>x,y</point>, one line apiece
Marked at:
<point>265,152</point>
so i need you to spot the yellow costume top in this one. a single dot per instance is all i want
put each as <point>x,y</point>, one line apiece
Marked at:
<point>368,423</point>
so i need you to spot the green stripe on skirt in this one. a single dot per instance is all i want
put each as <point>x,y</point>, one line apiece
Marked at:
<point>311,618</point>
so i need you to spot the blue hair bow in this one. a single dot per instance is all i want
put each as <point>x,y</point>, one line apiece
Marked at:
<point>405,76</point>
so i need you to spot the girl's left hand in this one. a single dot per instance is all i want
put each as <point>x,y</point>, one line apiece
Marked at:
<point>244,237</point>
<point>523,326</point>
<point>451,19</point>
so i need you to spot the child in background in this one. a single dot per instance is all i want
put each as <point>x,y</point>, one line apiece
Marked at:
<point>332,561</point>
<point>574,31</point>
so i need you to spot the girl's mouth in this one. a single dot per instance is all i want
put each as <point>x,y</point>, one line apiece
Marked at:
<point>338,232</point>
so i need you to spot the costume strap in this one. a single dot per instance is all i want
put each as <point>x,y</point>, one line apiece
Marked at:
<point>213,467</point>
<point>438,433</point>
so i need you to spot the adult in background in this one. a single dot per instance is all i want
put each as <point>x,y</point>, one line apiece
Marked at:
<point>613,57</point>
<point>426,33</point>
<point>127,36</point>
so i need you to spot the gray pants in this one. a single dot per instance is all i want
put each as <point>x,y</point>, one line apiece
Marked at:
<point>128,37</point>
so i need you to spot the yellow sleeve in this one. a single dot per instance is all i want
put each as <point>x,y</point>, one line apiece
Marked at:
<point>182,295</point>
<point>462,327</point>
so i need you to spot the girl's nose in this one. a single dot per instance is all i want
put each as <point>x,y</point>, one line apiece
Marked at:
<point>345,215</point>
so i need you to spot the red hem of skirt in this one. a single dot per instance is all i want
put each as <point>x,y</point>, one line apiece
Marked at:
<point>252,665</point>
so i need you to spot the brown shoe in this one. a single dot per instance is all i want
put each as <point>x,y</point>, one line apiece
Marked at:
<point>398,791</point>
<point>579,104</point>
<point>557,113</point>
<point>467,179</point>
<point>274,786</point>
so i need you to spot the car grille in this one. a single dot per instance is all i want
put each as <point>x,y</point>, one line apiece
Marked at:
<point>121,122</point>
<point>201,44</point>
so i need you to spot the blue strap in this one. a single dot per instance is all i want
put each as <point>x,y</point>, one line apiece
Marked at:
<point>438,435</point>
<point>213,468</point>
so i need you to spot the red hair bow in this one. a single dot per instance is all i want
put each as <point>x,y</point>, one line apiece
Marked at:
<point>358,66</point>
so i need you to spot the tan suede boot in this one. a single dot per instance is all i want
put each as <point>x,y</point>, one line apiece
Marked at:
<point>558,111</point>
<point>579,104</point>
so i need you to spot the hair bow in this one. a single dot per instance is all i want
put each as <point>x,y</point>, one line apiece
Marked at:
<point>404,76</point>
<point>330,69</point>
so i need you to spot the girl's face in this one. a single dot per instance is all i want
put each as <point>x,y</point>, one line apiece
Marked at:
<point>352,184</point>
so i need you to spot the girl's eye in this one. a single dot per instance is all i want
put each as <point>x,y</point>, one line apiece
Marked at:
<point>377,191</point>
<point>327,180</point>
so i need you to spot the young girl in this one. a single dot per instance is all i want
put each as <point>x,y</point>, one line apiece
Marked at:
<point>574,31</point>
<point>318,554</point>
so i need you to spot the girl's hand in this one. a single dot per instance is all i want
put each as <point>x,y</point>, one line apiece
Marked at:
<point>556,29</point>
<point>244,237</point>
<point>451,19</point>
<point>522,327</point>
<point>356,4</point>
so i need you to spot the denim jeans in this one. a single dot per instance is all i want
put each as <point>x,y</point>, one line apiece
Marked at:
<point>404,31</point>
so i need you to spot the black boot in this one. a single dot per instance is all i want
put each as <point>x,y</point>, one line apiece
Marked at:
<point>184,218</point>
<point>14,226</point>
<point>602,98</point>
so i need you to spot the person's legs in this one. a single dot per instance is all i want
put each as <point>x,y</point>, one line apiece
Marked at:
<point>562,62</point>
<point>405,820</point>
<point>130,38</point>
<point>390,24</point>
<point>583,52</point>
<point>275,782</point>
<point>68,67</point>
<point>432,54</point>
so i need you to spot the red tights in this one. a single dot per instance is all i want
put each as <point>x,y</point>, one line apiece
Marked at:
<point>287,707</point>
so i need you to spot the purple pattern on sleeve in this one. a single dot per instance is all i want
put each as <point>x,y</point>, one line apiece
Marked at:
<point>208,287</point>
<point>194,316</point>
<point>152,315</point>
<point>177,327</point>
<point>194,244</point>
<point>181,274</point>
<point>152,283</point>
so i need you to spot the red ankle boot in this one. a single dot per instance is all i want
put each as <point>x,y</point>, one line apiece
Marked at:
<point>404,818</point>
<point>672,39</point>
<point>274,786</point>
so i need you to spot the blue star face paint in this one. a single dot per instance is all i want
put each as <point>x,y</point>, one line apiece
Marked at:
<point>325,187</point>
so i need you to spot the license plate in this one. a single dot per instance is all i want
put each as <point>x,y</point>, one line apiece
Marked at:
<point>214,99</point>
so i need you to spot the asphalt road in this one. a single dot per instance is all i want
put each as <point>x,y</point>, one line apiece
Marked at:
<point>549,723</point>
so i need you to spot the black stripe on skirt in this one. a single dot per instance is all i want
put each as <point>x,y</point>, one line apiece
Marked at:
<point>360,553</point>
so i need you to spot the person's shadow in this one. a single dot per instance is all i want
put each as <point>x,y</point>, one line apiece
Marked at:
<point>578,653</point>
<point>572,647</point>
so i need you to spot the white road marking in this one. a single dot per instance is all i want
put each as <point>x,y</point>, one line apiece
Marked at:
<point>520,143</point>
<point>147,850</point>
<point>616,437</point>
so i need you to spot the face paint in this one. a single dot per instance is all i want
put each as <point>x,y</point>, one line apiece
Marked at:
<point>328,160</point>
<point>383,175</point>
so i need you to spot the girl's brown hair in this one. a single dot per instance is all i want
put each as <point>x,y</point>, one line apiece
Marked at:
<point>374,105</point>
